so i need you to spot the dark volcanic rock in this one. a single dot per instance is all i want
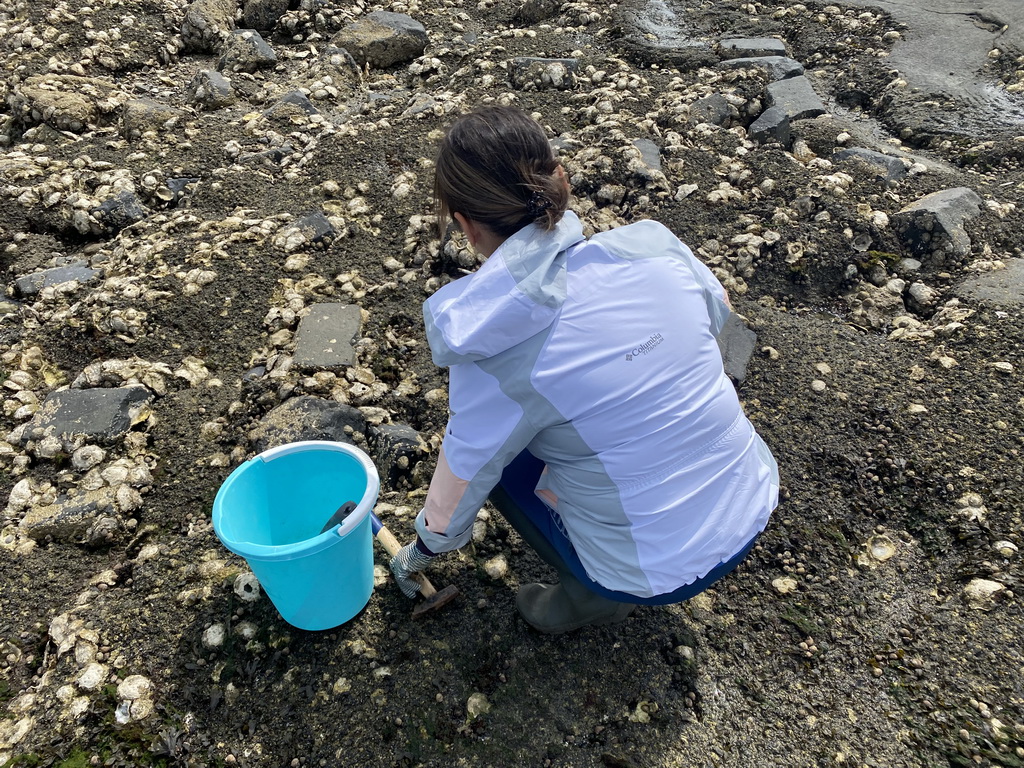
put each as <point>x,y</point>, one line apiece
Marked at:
<point>116,213</point>
<point>246,51</point>
<point>71,517</point>
<point>209,89</point>
<point>307,418</point>
<point>534,11</point>
<point>383,39</point>
<point>1002,287</point>
<point>650,153</point>
<point>292,104</point>
<point>207,24</point>
<point>935,224</point>
<point>317,229</point>
<point>771,125</point>
<point>179,189</point>
<point>396,449</point>
<point>262,14</point>
<point>713,109</point>
<point>736,343</point>
<point>142,115</point>
<point>893,168</point>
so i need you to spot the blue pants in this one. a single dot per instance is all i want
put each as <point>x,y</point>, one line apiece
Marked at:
<point>519,481</point>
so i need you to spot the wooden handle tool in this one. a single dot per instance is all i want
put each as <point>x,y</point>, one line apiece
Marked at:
<point>432,598</point>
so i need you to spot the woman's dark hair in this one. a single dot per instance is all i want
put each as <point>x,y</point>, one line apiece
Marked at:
<point>496,167</point>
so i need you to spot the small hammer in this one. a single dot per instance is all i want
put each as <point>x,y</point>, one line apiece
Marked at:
<point>432,598</point>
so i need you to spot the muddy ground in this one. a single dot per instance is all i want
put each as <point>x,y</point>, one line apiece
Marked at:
<point>878,622</point>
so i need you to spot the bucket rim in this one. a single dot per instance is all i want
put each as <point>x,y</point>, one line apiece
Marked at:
<point>280,552</point>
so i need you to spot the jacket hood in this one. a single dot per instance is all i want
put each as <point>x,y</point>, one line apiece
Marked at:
<point>516,294</point>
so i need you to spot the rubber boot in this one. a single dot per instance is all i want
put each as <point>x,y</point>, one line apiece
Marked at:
<point>562,607</point>
<point>568,605</point>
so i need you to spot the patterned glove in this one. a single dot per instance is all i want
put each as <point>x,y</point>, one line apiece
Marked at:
<point>409,560</point>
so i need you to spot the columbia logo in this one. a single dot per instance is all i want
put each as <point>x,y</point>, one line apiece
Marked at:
<point>646,347</point>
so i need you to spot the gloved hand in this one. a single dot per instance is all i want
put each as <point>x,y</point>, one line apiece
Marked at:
<point>409,560</point>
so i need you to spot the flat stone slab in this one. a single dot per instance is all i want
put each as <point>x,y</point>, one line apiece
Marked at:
<point>777,67</point>
<point>325,336</point>
<point>99,414</point>
<point>797,97</point>
<point>30,285</point>
<point>650,153</point>
<point>935,223</point>
<point>1003,287</point>
<point>747,47</point>
<point>893,168</point>
<point>736,343</point>
<point>654,32</point>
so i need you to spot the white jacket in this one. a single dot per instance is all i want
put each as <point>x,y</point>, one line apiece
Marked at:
<point>600,357</point>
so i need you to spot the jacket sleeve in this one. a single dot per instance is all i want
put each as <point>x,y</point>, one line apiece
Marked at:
<point>714,293</point>
<point>486,430</point>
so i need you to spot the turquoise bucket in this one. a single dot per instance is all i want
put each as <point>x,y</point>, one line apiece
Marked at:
<point>271,510</point>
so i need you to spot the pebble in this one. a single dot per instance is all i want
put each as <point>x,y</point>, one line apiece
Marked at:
<point>477,705</point>
<point>479,531</point>
<point>881,548</point>
<point>496,567</point>
<point>134,687</point>
<point>818,385</point>
<point>981,593</point>
<point>87,457</point>
<point>1006,548</point>
<point>214,636</point>
<point>785,584</point>
<point>92,677</point>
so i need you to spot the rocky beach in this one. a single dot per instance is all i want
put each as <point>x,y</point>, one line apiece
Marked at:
<point>216,232</point>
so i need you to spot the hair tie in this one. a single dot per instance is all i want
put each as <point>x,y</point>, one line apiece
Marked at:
<point>537,205</point>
